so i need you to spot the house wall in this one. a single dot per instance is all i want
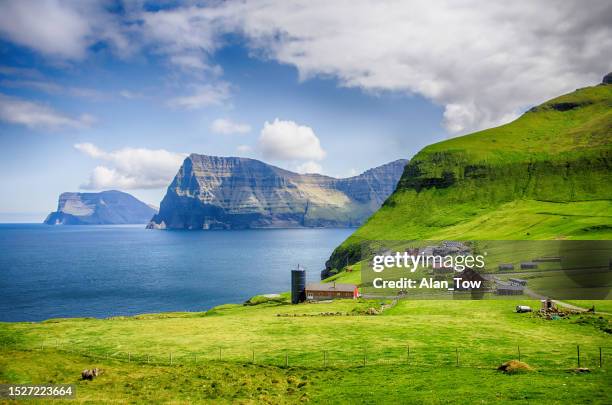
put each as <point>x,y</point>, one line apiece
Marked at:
<point>327,295</point>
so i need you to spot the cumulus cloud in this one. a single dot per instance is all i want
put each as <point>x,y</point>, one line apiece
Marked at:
<point>38,116</point>
<point>286,140</point>
<point>64,29</point>
<point>227,127</point>
<point>309,167</point>
<point>203,96</point>
<point>483,61</point>
<point>188,36</point>
<point>131,168</point>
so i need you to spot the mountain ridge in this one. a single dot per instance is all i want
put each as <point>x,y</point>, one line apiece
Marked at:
<point>212,192</point>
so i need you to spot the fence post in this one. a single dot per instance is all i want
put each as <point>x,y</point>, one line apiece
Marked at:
<point>148,358</point>
<point>600,362</point>
<point>219,354</point>
<point>170,358</point>
<point>519,352</point>
<point>253,357</point>
<point>578,354</point>
<point>457,355</point>
<point>408,355</point>
<point>129,357</point>
<point>286,359</point>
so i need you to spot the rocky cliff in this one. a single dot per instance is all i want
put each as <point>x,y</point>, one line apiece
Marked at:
<point>212,192</point>
<point>104,208</point>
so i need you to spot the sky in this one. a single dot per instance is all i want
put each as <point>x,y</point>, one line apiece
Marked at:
<point>102,95</point>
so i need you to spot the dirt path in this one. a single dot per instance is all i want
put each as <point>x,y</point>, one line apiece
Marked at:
<point>535,295</point>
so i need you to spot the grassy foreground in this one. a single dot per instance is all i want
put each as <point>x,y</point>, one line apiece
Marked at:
<point>226,382</point>
<point>307,354</point>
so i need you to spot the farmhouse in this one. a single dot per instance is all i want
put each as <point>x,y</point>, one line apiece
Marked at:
<point>529,265</point>
<point>328,291</point>
<point>506,266</point>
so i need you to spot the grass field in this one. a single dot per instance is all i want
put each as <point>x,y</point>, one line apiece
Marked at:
<point>227,382</point>
<point>318,349</point>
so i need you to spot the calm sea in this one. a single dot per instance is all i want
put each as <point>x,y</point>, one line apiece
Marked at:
<point>100,271</point>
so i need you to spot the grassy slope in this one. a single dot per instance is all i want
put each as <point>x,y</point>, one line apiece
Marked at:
<point>544,176</point>
<point>432,329</point>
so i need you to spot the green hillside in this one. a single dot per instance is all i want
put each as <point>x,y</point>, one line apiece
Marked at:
<point>547,175</point>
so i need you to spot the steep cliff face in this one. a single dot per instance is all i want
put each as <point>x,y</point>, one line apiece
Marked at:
<point>104,208</point>
<point>212,192</point>
<point>547,175</point>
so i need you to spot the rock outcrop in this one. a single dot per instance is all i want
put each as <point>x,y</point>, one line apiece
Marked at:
<point>104,208</point>
<point>212,192</point>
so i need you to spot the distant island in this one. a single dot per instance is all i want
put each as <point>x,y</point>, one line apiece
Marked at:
<point>103,208</point>
<point>212,192</point>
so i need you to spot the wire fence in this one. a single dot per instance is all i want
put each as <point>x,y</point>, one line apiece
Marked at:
<point>538,356</point>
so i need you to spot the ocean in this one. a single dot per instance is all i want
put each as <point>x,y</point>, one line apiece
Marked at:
<point>101,271</point>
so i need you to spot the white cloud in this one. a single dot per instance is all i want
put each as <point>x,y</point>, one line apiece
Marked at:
<point>203,96</point>
<point>91,150</point>
<point>286,140</point>
<point>63,29</point>
<point>227,127</point>
<point>309,167</point>
<point>38,116</point>
<point>188,36</point>
<point>483,61</point>
<point>131,168</point>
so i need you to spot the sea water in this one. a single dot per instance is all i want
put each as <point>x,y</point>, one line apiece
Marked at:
<point>101,271</point>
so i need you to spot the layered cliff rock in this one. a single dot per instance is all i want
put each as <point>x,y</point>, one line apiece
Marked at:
<point>104,208</point>
<point>212,192</point>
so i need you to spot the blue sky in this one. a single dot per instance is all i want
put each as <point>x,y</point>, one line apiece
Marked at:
<point>112,94</point>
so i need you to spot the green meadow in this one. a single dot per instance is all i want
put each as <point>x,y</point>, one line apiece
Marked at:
<point>276,352</point>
